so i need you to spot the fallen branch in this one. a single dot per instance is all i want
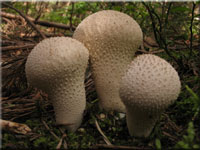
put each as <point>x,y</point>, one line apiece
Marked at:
<point>27,19</point>
<point>14,127</point>
<point>11,16</point>
<point>103,146</point>
<point>53,24</point>
<point>39,22</point>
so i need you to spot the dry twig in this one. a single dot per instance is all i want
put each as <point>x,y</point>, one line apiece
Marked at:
<point>158,34</point>
<point>52,133</point>
<point>191,32</point>
<point>103,147</point>
<point>64,138</point>
<point>40,22</point>
<point>61,141</point>
<point>10,48</point>
<point>14,127</point>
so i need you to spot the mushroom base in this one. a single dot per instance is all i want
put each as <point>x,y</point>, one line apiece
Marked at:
<point>67,122</point>
<point>107,86</point>
<point>103,104</point>
<point>140,122</point>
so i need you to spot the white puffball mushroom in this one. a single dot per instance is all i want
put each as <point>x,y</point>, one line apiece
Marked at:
<point>112,39</point>
<point>148,87</point>
<point>57,66</point>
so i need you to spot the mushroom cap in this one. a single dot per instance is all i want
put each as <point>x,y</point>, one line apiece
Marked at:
<point>54,60</point>
<point>112,38</point>
<point>150,84</point>
<point>109,27</point>
<point>57,66</point>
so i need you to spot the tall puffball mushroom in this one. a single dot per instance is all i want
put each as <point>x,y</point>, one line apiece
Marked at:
<point>148,87</point>
<point>112,38</point>
<point>57,66</point>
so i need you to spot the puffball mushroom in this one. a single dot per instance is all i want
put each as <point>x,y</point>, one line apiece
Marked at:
<point>57,66</point>
<point>148,87</point>
<point>112,38</point>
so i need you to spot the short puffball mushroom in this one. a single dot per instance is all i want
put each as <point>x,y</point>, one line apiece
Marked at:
<point>57,66</point>
<point>112,39</point>
<point>148,87</point>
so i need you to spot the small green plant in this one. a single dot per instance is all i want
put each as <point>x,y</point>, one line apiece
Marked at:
<point>40,141</point>
<point>195,99</point>
<point>158,144</point>
<point>188,141</point>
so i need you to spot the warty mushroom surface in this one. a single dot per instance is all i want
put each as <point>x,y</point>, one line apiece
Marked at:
<point>112,39</point>
<point>57,66</point>
<point>148,87</point>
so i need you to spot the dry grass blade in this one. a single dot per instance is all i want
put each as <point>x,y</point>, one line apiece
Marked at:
<point>101,132</point>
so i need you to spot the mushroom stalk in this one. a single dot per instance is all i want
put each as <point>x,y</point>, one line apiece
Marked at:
<point>69,103</point>
<point>57,66</point>
<point>140,122</point>
<point>112,38</point>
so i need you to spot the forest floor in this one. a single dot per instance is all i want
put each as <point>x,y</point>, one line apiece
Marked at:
<point>178,127</point>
